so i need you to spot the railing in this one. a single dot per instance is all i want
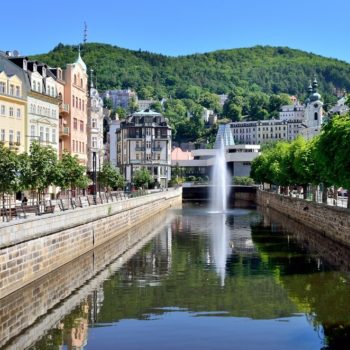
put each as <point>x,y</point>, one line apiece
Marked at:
<point>64,107</point>
<point>64,131</point>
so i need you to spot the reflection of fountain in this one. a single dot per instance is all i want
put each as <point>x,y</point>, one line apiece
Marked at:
<point>220,244</point>
<point>220,181</point>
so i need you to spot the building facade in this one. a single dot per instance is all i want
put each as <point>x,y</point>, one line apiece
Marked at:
<point>74,122</point>
<point>14,86</point>
<point>95,129</point>
<point>144,141</point>
<point>293,120</point>
<point>121,98</point>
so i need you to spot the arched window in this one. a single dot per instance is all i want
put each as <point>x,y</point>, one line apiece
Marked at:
<point>73,101</point>
<point>81,82</point>
<point>316,116</point>
<point>75,79</point>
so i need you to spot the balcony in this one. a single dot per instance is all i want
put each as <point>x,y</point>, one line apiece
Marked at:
<point>64,131</point>
<point>139,148</point>
<point>156,149</point>
<point>64,108</point>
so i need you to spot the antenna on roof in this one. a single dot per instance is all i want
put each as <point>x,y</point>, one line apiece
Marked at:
<point>85,33</point>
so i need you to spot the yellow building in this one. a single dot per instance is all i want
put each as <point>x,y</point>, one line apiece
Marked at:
<point>13,105</point>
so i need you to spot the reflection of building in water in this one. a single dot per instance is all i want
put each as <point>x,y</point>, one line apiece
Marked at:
<point>97,298</point>
<point>154,262</point>
<point>76,336</point>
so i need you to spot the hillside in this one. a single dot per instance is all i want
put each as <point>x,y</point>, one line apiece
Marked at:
<point>269,69</point>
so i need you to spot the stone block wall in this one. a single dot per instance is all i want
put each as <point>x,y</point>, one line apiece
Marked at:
<point>332,222</point>
<point>70,283</point>
<point>33,248</point>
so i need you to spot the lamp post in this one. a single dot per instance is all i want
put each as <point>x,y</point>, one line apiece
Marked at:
<point>94,172</point>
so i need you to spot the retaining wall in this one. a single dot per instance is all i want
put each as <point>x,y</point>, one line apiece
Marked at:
<point>332,222</point>
<point>35,247</point>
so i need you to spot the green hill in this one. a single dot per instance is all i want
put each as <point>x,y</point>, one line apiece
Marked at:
<point>271,70</point>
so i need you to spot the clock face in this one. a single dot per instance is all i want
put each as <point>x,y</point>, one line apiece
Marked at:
<point>315,105</point>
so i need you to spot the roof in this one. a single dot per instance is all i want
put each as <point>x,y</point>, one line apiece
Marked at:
<point>11,68</point>
<point>178,154</point>
<point>147,112</point>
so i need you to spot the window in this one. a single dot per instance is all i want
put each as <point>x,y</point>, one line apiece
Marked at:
<point>39,87</point>
<point>94,142</point>
<point>81,82</point>
<point>3,110</point>
<point>47,135</point>
<point>137,156</point>
<point>79,103</point>
<point>158,156</point>
<point>75,79</point>
<point>32,130</point>
<point>18,91</point>
<point>18,137</point>
<point>53,135</point>
<point>316,116</point>
<point>11,112</point>
<point>83,145</point>
<point>2,135</point>
<point>148,156</point>
<point>34,85</point>
<point>2,88</point>
<point>18,113</point>
<point>81,125</point>
<point>79,147</point>
<point>73,101</point>
<point>41,133</point>
<point>83,105</point>
<point>11,137</point>
<point>73,146</point>
<point>75,123</point>
<point>94,123</point>
<point>12,89</point>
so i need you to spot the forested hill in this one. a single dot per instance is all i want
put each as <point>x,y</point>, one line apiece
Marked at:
<point>271,70</point>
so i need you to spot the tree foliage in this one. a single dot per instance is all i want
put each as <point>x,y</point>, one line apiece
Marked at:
<point>110,177</point>
<point>142,178</point>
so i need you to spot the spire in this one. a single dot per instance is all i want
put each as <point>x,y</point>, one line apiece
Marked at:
<point>80,60</point>
<point>85,33</point>
<point>91,78</point>
<point>309,89</point>
<point>314,85</point>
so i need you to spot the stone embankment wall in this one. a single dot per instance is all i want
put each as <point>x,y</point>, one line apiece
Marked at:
<point>35,247</point>
<point>332,222</point>
<point>63,289</point>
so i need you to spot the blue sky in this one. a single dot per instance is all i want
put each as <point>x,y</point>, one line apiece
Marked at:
<point>178,27</point>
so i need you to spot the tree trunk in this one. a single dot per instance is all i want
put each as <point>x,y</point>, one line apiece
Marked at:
<point>324,195</point>
<point>304,191</point>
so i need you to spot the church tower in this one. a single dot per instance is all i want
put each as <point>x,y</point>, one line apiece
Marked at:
<point>313,116</point>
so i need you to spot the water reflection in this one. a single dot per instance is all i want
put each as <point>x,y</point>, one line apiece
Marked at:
<point>207,282</point>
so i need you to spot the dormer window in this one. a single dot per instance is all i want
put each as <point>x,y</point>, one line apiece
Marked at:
<point>34,67</point>
<point>25,65</point>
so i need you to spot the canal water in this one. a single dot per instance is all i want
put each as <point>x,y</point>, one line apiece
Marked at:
<point>193,280</point>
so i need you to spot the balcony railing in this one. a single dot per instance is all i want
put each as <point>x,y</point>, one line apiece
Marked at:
<point>157,149</point>
<point>64,131</point>
<point>64,107</point>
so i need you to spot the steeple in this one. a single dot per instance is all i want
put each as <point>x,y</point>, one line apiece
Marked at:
<point>314,85</point>
<point>80,60</point>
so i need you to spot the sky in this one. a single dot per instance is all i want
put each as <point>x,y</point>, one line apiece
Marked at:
<point>178,27</point>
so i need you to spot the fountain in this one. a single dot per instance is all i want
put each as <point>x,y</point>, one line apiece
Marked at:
<point>220,181</point>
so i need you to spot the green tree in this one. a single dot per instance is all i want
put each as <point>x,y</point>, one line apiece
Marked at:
<point>142,178</point>
<point>110,178</point>
<point>70,174</point>
<point>38,168</point>
<point>9,167</point>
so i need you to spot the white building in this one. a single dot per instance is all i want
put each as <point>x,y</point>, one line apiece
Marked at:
<point>95,128</point>
<point>144,141</point>
<point>340,108</point>
<point>145,104</point>
<point>120,98</point>
<point>293,120</point>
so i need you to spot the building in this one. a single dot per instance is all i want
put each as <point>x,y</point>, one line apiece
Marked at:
<point>14,87</point>
<point>95,128</point>
<point>120,98</point>
<point>145,104</point>
<point>293,120</point>
<point>73,121</point>
<point>42,122</point>
<point>313,116</point>
<point>340,108</point>
<point>144,141</point>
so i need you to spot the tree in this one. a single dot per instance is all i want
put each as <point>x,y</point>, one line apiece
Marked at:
<point>9,167</point>
<point>70,174</point>
<point>107,103</point>
<point>142,178</point>
<point>38,169</point>
<point>110,177</point>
